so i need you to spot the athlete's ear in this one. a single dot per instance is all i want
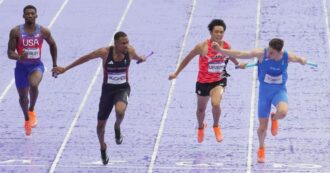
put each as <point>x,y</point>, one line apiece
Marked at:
<point>36,16</point>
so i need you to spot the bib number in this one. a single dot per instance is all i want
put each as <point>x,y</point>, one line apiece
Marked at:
<point>119,78</point>
<point>216,67</point>
<point>32,53</point>
<point>273,79</point>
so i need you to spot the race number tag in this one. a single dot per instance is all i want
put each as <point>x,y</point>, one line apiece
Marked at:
<point>273,79</point>
<point>32,53</point>
<point>116,78</point>
<point>216,67</point>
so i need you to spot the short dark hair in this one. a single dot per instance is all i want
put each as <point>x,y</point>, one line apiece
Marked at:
<point>29,7</point>
<point>217,22</point>
<point>276,43</point>
<point>119,34</point>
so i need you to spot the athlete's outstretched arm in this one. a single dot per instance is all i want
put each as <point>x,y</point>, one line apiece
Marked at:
<point>12,44</point>
<point>52,45</point>
<point>185,61</point>
<point>237,63</point>
<point>239,54</point>
<point>233,60</point>
<point>102,53</point>
<point>134,55</point>
<point>296,58</point>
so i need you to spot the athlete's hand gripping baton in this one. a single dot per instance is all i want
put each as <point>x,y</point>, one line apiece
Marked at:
<point>307,63</point>
<point>147,56</point>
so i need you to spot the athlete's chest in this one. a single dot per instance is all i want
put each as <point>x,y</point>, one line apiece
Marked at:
<point>30,40</point>
<point>117,65</point>
<point>274,66</point>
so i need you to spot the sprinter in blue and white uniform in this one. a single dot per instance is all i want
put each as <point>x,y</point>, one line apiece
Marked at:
<point>272,75</point>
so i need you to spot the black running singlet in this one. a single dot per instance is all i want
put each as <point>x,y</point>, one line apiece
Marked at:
<point>116,72</point>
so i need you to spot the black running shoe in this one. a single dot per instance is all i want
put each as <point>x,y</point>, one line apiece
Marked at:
<point>104,157</point>
<point>118,136</point>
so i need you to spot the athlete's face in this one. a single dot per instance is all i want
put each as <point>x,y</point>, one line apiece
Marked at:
<point>122,44</point>
<point>30,16</point>
<point>272,53</point>
<point>217,33</point>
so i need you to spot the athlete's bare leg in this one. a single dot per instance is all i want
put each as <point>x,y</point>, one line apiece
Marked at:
<point>100,129</point>
<point>216,97</point>
<point>281,110</point>
<point>262,130</point>
<point>120,109</point>
<point>34,80</point>
<point>201,107</point>
<point>24,101</point>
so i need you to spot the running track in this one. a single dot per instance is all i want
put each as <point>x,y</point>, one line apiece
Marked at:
<point>159,127</point>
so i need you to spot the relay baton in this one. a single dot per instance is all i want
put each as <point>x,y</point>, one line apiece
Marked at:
<point>147,56</point>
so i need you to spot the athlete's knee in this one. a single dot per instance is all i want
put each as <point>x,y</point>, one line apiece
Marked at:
<point>23,98</point>
<point>262,128</point>
<point>282,110</point>
<point>120,112</point>
<point>200,110</point>
<point>282,113</point>
<point>34,85</point>
<point>100,129</point>
<point>215,104</point>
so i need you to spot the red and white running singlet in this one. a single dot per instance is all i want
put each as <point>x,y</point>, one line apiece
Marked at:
<point>212,65</point>
<point>30,43</point>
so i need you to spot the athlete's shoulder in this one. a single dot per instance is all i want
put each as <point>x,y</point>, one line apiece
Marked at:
<point>14,32</point>
<point>15,29</point>
<point>226,45</point>
<point>202,45</point>
<point>44,30</point>
<point>104,50</point>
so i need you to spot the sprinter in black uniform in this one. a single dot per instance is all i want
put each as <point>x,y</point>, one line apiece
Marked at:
<point>115,88</point>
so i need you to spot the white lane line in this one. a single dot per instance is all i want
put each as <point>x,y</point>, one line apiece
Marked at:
<point>88,92</point>
<point>58,13</point>
<point>11,83</point>
<point>3,94</point>
<point>326,18</point>
<point>169,98</point>
<point>253,95</point>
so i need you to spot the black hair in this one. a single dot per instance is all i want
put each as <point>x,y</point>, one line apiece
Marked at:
<point>276,43</point>
<point>216,22</point>
<point>119,34</point>
<point>29,7</point>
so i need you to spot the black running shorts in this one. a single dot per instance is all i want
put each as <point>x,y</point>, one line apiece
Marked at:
<point>203,89</point>
<point>109,97</point>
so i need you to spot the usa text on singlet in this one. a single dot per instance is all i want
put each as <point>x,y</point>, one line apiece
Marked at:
<point>30,43</point>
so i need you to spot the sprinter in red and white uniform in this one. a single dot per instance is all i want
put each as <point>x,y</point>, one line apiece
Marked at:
<point>211,80</point>
<point>24,46</point>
